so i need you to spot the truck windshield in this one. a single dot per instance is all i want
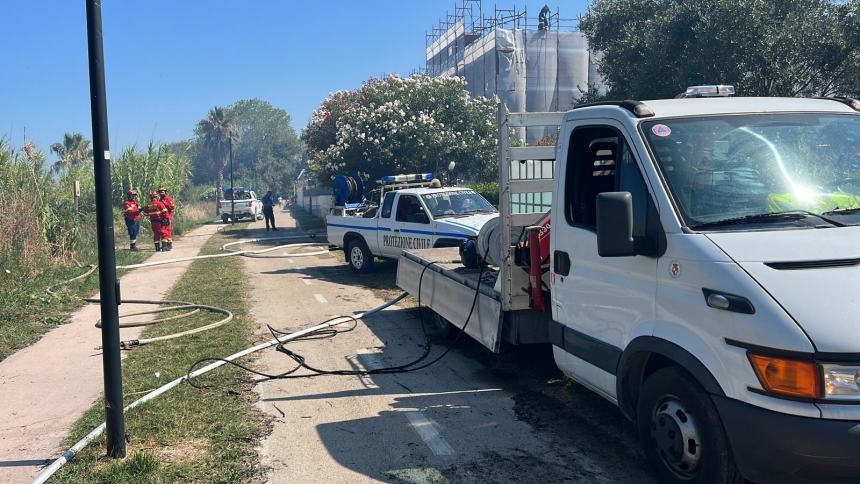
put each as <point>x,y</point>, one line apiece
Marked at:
<point>454,203</point>
<point>768,170</point>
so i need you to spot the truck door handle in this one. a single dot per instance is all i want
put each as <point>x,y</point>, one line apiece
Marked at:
<point>561,263</point>
<point>395,230</point>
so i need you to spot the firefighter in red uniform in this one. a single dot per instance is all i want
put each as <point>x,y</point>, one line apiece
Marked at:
<point>157,213</point>
<point>131,212</point>
<point>168,202</point>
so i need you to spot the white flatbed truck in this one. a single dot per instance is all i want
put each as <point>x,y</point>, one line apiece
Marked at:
<point>700,272</point>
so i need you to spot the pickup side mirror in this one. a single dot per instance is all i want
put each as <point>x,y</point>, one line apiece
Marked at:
<point>615,224</point>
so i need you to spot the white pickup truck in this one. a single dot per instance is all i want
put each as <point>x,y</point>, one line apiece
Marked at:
<point>701,271</point>
<point>245,204</point>
<point>410,216</point>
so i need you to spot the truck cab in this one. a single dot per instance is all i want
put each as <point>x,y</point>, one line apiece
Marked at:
<point>702,275</point>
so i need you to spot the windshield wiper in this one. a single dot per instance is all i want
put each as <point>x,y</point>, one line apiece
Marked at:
<point>787,215</point>
<point>842,211</point>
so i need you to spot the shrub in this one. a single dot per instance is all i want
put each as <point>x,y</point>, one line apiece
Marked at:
<point>397,125</point>
<point>488,190</point>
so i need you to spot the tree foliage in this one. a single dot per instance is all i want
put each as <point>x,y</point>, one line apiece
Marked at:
<point>266,148</point>
<point>216,132</point>
<point>403,125</point>
<point>73,151</point>
<point>656,48</point>
<point>269,150</point>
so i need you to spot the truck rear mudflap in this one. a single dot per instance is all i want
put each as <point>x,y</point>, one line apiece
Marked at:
<point>449,289</point>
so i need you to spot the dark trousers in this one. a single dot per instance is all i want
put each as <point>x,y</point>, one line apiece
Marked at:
<point>133,227</point>
<point>269,215</point>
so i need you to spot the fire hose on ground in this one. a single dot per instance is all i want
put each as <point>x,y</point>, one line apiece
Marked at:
<point>70,453</point>
<point>278,341</point>
<point>190,307</point>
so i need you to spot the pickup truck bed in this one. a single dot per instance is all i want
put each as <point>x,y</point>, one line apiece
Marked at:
<point>448,289</point>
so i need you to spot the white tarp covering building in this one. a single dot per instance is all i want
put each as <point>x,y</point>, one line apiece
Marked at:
<point>529,69</point>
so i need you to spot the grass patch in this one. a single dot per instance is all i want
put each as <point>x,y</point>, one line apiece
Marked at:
<point>27,312</point>
<point>185,434</point>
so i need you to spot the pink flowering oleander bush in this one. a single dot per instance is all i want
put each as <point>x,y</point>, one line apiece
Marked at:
<point>403,125</point>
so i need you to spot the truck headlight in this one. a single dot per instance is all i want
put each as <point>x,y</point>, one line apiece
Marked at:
<point>841,381</point>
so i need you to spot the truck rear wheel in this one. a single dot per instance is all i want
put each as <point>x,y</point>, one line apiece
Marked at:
<point>681,432</point>
<point>225,218</point>
<point>358,256</point>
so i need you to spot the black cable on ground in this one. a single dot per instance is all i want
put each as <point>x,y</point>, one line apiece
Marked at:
<point>331,332</point>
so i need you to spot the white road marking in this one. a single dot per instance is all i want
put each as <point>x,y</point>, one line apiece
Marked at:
<point>366,359</point>
<point>320,299</point>
<point>307,281</point>
<point>370,359</point>
<point>428,433</point>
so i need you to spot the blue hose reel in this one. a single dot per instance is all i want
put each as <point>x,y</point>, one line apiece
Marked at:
<point>348,190</point>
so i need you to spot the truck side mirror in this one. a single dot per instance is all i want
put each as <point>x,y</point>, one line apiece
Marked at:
<point>615,224</point>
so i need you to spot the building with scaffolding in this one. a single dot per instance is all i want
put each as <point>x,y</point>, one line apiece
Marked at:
<point>537,63</point>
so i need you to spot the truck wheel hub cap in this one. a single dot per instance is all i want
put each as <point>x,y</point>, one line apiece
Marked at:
<point>356,257</point>
<point>677,440</point>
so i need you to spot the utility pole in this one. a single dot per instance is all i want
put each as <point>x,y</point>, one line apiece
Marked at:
<point>108,283</point>
<point>232,188</point>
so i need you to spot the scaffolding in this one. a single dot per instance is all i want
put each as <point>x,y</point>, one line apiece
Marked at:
<point>533,64</point>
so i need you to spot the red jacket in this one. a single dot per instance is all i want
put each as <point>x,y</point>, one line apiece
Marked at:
<point>131,209</point>
<point>155,210</point>
<point>168,202</point>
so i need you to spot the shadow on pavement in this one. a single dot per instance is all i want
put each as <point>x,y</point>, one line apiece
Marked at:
<point>507,417</point>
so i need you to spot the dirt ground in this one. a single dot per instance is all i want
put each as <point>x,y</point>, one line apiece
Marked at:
<point>472,417</point>
<point>47,386</point>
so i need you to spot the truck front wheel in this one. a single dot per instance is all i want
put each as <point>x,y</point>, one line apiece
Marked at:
<point>225,218</point>
<point>681,432</point>
<point>359,256</point>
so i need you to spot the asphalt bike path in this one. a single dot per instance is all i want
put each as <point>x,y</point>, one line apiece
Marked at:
<point>46,387</point>
<point>455,421</point>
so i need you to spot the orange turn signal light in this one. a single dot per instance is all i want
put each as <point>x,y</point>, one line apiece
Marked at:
<point>782,376</point>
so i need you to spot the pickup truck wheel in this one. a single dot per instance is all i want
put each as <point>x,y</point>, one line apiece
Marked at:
<point>681,432</point>
<point>225,218</point>
<point>359,256</point>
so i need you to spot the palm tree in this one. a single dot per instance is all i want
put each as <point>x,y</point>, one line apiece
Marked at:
<point>74,150</point>
<point>217,131</point>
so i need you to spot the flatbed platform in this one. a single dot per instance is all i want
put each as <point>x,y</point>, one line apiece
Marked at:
<point>446,260</point>
<point>449,289</point>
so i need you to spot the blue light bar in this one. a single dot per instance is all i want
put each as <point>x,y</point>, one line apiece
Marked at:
<point>406,178</point>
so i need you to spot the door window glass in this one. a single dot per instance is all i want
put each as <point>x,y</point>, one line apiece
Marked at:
<point>409,209</point>
<point>386,204</point>
<point>599,160</point>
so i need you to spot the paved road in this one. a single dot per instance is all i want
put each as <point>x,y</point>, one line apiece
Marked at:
<point>472,417</point>
<point>46,387</point>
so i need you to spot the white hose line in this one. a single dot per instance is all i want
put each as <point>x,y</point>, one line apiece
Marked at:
<point>175,306</point>
<point>229,253</point>
<point>187,305</point>
<point>70,453</point>
<point>265,239</point>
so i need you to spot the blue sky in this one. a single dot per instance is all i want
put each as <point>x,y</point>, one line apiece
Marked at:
<point>169,61</point>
